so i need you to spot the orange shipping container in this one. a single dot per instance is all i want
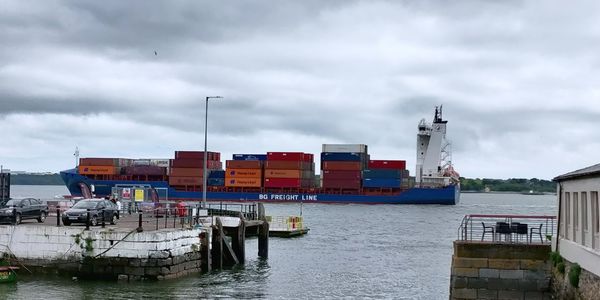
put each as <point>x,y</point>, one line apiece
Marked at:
<point>243,182</point>
<point>97,170</point>
<point>187,172</point>
<point>276,173</point>
<point>243,173</point>
<point>174,180</point>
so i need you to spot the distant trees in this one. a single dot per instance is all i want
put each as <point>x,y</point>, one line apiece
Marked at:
<point>508,185</point>
<point>30,179</point>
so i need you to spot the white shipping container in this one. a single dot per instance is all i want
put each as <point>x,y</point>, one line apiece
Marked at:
<point>160,162</point>
<point>141,162</point>
<point>359,148</point>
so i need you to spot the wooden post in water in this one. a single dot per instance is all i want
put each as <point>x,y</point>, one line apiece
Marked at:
<point>263,239</point>
<point>238,240</point>
<point>206,262</point>
<point>217,245</point>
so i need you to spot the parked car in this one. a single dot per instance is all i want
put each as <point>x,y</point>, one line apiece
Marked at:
<point>17,210</point>
<point>78,212</point>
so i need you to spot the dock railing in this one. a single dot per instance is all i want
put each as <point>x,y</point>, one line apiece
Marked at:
<point>507,228</point>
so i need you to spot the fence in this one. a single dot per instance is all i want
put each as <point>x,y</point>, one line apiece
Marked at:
<point>507,228</point>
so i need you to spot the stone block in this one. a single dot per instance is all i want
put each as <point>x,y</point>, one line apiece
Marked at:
<point>511,274</point>
<point>504,264</point>
<point>135,271</point>
<point>465,262</point>
<point>489,273</point>
<point>465,272</point>
<point>510,295</point>
<point>528,285</point>
<point>503,284</point>
<point>534,296</point>
<point>531,264</point>
<point>535,275</point>
<point>477,283</point>
<point>487,294</point>
<point>464,293</point>
<point>165,270</point>
<point>152,271</point>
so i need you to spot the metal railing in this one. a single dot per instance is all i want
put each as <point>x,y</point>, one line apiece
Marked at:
<point>285,223</point>
<point>507,228</point>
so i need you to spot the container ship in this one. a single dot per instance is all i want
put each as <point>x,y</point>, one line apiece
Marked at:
<point>347,175</point>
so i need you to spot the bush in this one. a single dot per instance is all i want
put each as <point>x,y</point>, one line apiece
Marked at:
<point>555,258</point>
<point>574,273</point>
<point>561,267</point>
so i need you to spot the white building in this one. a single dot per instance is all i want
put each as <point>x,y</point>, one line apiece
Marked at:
<point>579,217</point>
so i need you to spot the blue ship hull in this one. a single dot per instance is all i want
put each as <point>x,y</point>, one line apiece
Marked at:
<point>449,195</point>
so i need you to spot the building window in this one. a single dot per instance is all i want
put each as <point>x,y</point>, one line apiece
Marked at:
<point>584,216</point>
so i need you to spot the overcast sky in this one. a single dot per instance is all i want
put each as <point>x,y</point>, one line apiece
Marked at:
<point>519,80</point>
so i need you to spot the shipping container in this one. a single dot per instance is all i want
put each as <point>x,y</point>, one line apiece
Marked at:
<point>337,156</point>
<point>285,156</point>
<point>283,183</point>
<point>96,161</point>
<point>280,173</point>
<point>387,164</point>
<point>124,162</point>
<point>197,155</point>
<point>243,182</point>
<point>99,170</point>
<point>308,157</point>
<point>381,183</point>
<point>382,173</point>
<point>160,162</point>
<point>140,162</point>
<point>359,148</point>
<point>341,165</point>
<point>289,165</point>
<point>144,170</point>
<point>216,174</point>
<point>243,173</point>
<point>175,180</point>
<point>187,172</point>
<point>243,164</point>
<point>261,157</point>
<point>215,182</point>
<point>341,184</point>
<point>195,163</point>
<point>337,174</point>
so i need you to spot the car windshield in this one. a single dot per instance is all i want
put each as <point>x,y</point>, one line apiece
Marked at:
<point>12,202</point>
<point>86,204</point>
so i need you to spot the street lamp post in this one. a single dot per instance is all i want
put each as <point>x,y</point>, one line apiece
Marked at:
<point>205,175</point>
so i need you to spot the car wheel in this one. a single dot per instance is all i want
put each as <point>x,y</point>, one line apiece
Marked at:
<point>66,223</point>
<point>113,221</point>
<point>42,217</point>
<point>94,220</point>
<point>18,219</point>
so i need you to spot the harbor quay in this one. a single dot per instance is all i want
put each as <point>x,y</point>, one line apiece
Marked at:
<point>134,249</point>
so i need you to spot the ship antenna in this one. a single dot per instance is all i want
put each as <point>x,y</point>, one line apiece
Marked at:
<point>76,154</point>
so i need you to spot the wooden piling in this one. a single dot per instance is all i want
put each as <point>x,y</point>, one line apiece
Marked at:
<point>263,239</point>
<point>238,241</point>
<point>206,262</point>
<point>217,245</point>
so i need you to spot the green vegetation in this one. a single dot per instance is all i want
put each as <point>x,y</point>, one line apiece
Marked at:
<point>520,185</point>
<point>555,258</point>
<point>30,179</point>
<point>574,273</point>
<point>561,267</point>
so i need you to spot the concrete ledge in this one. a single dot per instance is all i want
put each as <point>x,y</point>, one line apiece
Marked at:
<point>470,249</point>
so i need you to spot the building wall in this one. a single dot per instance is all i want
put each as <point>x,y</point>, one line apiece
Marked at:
<point>579,232</point>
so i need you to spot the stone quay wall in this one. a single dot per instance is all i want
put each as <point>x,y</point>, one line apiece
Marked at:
<point>500,271</point>
<point>105,253</point>
<point>588,289</point>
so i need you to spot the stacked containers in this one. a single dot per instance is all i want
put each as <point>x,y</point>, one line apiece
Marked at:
<point>342,165</point>
<point>146,167</point>
<point>216,178</point>
<point>187,169</point>
<point>102,166</point>
<point>384,174</point>
<point>245,170</point>
<point>289,170</point>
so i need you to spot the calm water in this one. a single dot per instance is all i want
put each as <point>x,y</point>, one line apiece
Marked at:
<point>357,251</point>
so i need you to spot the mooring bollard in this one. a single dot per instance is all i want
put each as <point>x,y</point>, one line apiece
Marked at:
<point>140,229</point>
<point>87,220</point>
<point>58,216</point>
<point>103,217</point>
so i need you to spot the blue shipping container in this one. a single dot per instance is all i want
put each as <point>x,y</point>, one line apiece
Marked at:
<point>216,174</point>
<point>250,157</point>
<point>215,182</point>
<point>342,156</point>
<point>381,183</point>
<point>382,173</point>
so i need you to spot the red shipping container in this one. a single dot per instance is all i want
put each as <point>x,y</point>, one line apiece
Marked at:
<point>287,165</point>
<point>95,161</point>
<point>341,165</point>
<point>387,164</point>
<point>243,164</point>
<point>195,163</point>
<point>342,184</point>
<point>285,156</point>
<point>187,172</point>
<point>197,155</point>
<point>337,174</point>
<point>174,180</point>
<point>283,182</point>
<point>308,157</point>
<point>144,170</point>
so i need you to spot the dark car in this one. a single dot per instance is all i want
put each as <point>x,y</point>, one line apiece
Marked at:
<point>17,210</point>
<point>78,212</point>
